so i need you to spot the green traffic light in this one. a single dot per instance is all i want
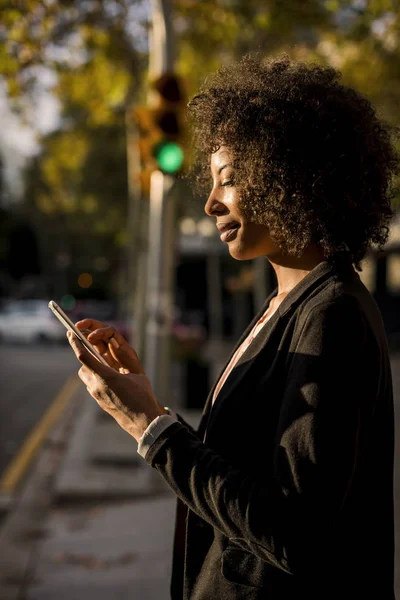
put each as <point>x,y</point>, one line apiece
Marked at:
<point>169,157</point>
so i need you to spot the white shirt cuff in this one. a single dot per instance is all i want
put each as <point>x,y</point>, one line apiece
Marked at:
<point>153,431</point>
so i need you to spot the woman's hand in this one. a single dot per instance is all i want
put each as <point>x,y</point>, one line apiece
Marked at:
<point>106,340</point>
<point>122,390</point>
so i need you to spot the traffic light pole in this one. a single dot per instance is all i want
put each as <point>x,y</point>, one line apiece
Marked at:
<point>136,215</point>
<point>161,226</point>
<point>159,286</point>
<point>161,58</point>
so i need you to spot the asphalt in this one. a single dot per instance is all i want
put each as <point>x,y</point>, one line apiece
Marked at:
<point>93,520</point>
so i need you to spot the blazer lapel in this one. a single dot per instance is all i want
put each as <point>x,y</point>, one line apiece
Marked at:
<point>208,405</point>
<point>242,366</point>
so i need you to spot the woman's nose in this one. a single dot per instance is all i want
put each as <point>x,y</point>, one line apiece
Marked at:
<point>213,206</point>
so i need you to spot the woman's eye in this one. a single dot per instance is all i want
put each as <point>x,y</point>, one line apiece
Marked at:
<point>226,183</point>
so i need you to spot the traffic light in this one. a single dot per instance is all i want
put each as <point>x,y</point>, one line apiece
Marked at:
<point>161,128</point>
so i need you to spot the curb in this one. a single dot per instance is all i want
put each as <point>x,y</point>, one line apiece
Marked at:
<point>15,472</point>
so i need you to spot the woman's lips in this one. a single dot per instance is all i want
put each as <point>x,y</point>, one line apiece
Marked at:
<point>229,234</point>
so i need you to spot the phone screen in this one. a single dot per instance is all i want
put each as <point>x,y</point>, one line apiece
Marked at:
<point>68,324</point>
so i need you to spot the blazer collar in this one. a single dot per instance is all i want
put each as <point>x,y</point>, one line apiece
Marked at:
<point>324,271</point>
<point>319,274</point>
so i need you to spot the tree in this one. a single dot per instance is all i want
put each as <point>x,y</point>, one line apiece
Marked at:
<point>77,185</point>
<point>361,38</point>
<point>99,52</point>
<point>99,49</point>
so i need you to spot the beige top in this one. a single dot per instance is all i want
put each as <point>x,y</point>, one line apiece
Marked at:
<point>245,344</point>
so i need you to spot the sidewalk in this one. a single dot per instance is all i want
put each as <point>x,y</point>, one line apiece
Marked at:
<point>94,521</point>
<point>110,533</point>
<point>105,552</point>
<point>98,524</point>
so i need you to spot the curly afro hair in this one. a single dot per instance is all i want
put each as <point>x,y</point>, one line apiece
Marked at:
<point>311,158</point>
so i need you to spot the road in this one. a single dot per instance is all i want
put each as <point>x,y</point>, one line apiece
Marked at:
<point>30,379</point>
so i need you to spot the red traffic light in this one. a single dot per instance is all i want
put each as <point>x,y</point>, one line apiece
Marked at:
<point>167,121</point>
<point>170,88</point>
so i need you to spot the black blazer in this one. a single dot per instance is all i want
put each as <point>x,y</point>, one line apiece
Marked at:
<point>291,493</point>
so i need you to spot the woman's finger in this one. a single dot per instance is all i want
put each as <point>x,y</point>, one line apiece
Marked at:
<point>104,334</point>
<point>128,360</point>
<point>100,338</point>
<point>90,324</point>
<point>110,359</point>
<point>113,346</point>
<point>86,358</point>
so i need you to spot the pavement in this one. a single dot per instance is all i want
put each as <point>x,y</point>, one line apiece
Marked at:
<point>92,520</point>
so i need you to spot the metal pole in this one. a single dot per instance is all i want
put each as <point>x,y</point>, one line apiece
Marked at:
<point>160,62</point>
<point>141,281</point>
<point>160,286</point>
<point>160,249</point>
<point>161,59</point>
<point>136,215</point>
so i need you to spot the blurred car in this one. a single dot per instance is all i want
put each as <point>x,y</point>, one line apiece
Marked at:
<point>29,321</point>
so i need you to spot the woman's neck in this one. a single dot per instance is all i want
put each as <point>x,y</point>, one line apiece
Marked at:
<point>290,271</point>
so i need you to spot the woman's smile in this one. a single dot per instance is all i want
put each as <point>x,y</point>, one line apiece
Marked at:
<point>229,234</point>
<point>228,230</point>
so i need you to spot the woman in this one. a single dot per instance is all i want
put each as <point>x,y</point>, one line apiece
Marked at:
<point>286,489</point>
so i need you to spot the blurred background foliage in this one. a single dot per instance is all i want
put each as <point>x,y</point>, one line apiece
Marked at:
<point>97,54</point>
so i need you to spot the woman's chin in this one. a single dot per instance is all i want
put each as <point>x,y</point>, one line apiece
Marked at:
<point>240,252</point>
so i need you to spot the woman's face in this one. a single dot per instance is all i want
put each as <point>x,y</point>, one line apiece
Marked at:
<point>246,240</point>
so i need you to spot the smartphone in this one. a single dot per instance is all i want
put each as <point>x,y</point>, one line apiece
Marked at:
<point>68,324</point>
